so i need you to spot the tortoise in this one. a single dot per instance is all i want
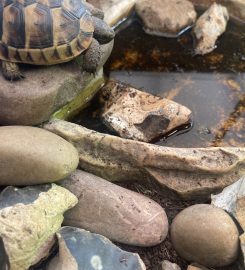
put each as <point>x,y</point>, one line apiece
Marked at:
<point>48,32</point>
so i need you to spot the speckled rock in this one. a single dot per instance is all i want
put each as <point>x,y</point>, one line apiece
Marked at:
<point>166,18</point>
<point>115,212</point>
<point>236,8</point>
<point>209,27</point>
<point>30,155</point>
<point>29,218</point>
<point>45,90</point>
<point>82,250</point>
<point>137,115</point>
<point>191,173</point>
<point>205,234</point>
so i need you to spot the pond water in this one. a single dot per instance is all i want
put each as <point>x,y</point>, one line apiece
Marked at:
<point>212,86</point>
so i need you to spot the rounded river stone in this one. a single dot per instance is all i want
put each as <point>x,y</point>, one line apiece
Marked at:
<point>206,235</point>
<point>30,155</point>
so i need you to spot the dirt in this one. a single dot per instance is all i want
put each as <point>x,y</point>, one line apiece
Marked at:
<point>153,256</point>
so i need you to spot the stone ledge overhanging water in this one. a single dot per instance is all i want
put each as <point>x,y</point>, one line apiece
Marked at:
<point>192,173</point>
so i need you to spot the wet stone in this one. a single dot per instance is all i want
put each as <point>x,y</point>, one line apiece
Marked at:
<point>138,115</point>
<point>115,212</point>
<point>80,249</point>
<point>209,27</point>
<point>30,155</point>
<point>198,234</point>
<point>191,173</point>
<point>29,218</point>
<point>166,18</point>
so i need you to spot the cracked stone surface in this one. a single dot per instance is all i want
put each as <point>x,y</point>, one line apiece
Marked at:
<point>191,173</point>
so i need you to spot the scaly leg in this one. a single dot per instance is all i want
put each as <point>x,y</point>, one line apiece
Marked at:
<point>11,71</point>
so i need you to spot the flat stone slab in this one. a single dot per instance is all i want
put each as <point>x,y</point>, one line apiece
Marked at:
<point>44,90</point>
<point>82,250</point>
<point>192,173</point>
<point>138,115</point>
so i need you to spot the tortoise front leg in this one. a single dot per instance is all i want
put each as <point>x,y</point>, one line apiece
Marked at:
<point>11,71</point>
<point>92,57</point>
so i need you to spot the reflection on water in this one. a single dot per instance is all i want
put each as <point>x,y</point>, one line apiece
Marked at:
<point>212,86</point>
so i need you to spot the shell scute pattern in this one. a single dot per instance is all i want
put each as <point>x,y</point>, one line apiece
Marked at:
<point>44,31</point>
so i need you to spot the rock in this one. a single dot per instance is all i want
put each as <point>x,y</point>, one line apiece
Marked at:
<point>166,265</point>
<point>191,173</point>
<point>196,266</point>
<point>166,18</point>
<point>198,234</point>
<point>115,212</point>
<point>236,8</point>
<point>242,243</point>
<point>30,155</point>
<point>80,249</point>
<point>232,200</point>
<point>209,27</point>
<point>45,90</point>
<point>29,218</point>
<point>115,10</point>
<point>137,115</point>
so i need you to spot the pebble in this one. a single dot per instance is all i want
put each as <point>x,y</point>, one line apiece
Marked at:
<point>206,235</point>
<point>166,18</point>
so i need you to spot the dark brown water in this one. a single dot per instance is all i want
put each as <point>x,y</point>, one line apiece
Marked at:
<point>212,86</point>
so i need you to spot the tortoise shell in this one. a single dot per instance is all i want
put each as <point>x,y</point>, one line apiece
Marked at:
<point>44,32</point>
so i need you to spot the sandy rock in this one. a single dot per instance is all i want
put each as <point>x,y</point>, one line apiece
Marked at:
<point>45,90</point>
<point>236,8</point>
<point>115,10</point>
<point>166,265</point>
<point>209,27</point>
<point>29,218</point>
<point>137,115</point>
<point>166,18</point>
<point>232,200</point>
<point>80,249</point>
<point>30,155</point>
<point>205,234</point>
<point>115,212</point>
<point>192,173</point>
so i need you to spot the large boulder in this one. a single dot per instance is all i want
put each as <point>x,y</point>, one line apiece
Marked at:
<point>30,155</point>
<point>192,173</point>
<point>115,212</point>
<point>34,99</point>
